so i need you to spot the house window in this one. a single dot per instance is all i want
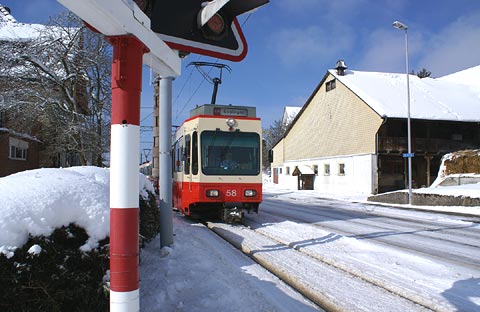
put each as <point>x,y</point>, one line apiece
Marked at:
<point>341,169</point>
<point>280,170</point>
<point>326,169</point>
<point>18,149</point>
<point>330,85</point>
<point>287,170</point>
<point>315,169</point>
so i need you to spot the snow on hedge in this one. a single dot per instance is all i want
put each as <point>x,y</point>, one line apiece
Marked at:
<point>37,201</point>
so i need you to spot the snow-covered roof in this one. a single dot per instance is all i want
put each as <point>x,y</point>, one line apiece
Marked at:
<point>455,97</point>
<point>5,16</point>
<point>10,29</point>
<point>303,169</point>
<point>469,76</point>
<point>19,135</point>
<point>289,114</point>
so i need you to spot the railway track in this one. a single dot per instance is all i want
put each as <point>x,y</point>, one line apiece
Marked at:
<point>330,285</point>
<point>386,257</point>
<point>466,236</point>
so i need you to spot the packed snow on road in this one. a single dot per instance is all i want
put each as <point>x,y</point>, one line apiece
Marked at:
<point>200,271</point>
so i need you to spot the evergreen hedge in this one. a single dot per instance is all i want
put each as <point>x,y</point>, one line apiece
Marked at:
<point>62,277</point>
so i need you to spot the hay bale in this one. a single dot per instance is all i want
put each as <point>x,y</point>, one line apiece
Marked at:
<point>466,161</point>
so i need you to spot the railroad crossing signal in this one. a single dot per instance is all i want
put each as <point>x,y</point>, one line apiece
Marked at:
<point>203,27</point>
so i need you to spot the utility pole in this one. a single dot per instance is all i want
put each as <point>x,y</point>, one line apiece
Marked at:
<point>165,160</point>
<point>124,158</point>
<point>155,151</point>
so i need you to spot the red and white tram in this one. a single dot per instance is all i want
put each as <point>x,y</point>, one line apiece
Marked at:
<point>217,162</point>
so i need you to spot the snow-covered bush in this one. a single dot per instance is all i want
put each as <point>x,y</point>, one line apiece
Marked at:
<point>51,273</point>
<point>149,218</point>
<point>54,253</point>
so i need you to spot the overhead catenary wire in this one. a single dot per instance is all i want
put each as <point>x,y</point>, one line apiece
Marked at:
<point>206,75</point>
<point>179,112</point>
<point>177,115</point>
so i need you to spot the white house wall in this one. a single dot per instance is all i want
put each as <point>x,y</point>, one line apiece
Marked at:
<point>359,177</point>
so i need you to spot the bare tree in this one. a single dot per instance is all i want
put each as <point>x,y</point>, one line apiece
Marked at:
<point>60,90</point>
<point>272,136</point>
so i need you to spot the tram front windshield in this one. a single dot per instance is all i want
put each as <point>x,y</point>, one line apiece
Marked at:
<point>230,153</point>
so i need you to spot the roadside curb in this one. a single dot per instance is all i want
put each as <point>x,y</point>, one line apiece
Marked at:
<point>446,211</point>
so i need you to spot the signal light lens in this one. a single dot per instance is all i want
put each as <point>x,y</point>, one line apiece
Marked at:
<point>216,24</point>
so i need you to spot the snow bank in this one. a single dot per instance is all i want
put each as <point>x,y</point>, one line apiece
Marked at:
<point>465,163</point>
<point>35,202</point>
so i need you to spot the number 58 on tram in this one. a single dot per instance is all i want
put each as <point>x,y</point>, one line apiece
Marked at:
<point>217,156</point>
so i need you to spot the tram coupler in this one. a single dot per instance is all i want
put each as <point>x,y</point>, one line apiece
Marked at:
<point>231,215</point>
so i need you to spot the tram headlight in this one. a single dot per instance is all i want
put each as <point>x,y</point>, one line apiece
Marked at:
<point>213,193</point>
<point>250,193</point>
<point>231,122</point>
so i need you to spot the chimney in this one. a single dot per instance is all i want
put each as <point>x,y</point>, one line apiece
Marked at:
<point>340,67</point>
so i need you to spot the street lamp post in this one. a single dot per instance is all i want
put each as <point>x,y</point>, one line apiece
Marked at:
<point>401,26</point>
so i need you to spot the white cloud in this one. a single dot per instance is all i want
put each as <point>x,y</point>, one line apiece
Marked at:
<point>454,48</point>
<point>324,31</point>
<point>300,46</point>
<point>37,11</point>
<point>297,101</point>
<point>385,51</point>
<point>333,9</point>
<point>298,6</point>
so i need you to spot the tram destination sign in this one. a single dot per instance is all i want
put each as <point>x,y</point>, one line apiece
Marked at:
<point>224,110</point>
<point>230,111</point>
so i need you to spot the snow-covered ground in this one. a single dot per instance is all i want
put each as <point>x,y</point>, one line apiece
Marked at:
<point>469,190</point>
<point>199,272</point>
<point>202,272</point>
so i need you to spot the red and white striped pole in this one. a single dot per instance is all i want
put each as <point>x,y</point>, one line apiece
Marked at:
<point>124,159</point>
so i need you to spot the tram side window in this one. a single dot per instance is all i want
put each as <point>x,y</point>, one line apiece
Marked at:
<point>187,154</point>
<point>177,156</point>
<point>195,153</point>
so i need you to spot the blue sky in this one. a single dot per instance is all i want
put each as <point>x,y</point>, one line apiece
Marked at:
<point>292,43</point>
